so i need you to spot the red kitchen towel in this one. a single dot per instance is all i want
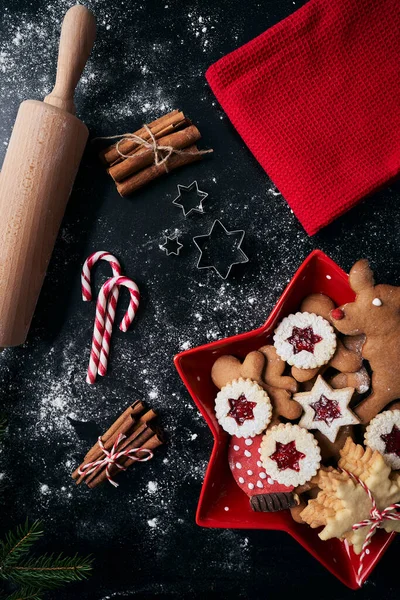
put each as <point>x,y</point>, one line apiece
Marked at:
<point>316,98</point>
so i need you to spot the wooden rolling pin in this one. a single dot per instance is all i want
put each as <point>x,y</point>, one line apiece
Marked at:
<point>36,179</point>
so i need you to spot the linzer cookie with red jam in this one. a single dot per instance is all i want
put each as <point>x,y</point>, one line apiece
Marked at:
<point>305,340</point>
<point>243,408</point>
<point>290,454</point>
<point>326,409</point>
<point>383,435</point>
<point>266,495</point>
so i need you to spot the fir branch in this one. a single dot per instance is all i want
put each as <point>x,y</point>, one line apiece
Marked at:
<point>18,543</point>
<point>25,594</point>
<point>48,572</point>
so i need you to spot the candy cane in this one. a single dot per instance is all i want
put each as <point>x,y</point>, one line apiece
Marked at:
<point>89,264</point>
<point>99,324</point>
<point>112,304</point>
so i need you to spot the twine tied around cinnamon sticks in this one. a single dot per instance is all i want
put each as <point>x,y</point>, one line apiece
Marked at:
<point>131,438</point>
<point>112,457</point>
<point>154,150</point>
<point>153,145</point>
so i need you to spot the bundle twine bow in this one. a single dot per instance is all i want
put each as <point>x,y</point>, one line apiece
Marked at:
<point>161,153</point>
<point>112,457</point>
<point>375,521</point>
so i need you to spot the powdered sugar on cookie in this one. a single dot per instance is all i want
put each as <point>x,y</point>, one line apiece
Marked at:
<point>243,408</point>
<point>305,340</point>
<point>383,435</point>
<point>290,454</point>
<point>326,409</point>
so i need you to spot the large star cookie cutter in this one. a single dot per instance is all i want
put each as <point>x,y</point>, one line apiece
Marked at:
<point>220,249</point>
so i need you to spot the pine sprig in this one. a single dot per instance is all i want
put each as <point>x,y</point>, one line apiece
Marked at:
<point>38,573</point>
<point>18,543</point>
<point>48,571</point>
<point>25,593</point>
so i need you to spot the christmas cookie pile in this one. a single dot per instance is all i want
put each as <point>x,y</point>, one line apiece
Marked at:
<point>313,418</point>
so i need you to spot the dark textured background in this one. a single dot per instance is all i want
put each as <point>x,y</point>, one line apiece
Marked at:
<point>150,57</point>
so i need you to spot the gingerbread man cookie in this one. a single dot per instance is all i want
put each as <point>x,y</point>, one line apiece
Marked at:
<point>255,366</point>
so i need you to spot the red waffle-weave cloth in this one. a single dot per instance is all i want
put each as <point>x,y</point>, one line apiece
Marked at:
<point>316,100</point>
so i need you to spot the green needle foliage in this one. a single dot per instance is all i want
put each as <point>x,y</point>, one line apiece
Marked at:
<point>25,594</point>
<point>36,574</point>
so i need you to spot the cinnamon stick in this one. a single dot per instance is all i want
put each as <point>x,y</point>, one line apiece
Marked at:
<point>110,155</point>
<point>142,178</point>
<point>145,157</point>
<point>152,442</point>
<point>157,135</point>
<point>97,477</point>
<point>121,425</point>
<point>132,441</point>
<point>132,420</point>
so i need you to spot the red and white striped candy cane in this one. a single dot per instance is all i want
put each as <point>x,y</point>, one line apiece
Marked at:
<point>87,268</point>
<point>99,323</point>
<point>112,304</point>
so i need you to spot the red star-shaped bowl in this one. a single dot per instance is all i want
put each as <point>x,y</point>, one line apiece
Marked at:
<point>318,273</point>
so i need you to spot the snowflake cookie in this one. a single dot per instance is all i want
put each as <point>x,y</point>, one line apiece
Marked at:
<point>290,454</point>
<point>305,340</point>
<point>383,435</point>
<point>326,409</point>
<point>243,408</point>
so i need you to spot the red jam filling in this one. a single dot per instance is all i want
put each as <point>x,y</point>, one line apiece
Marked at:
<point>326,410</point>
<point>392,441</point>
<point>241,409</point>
<point>303,339</point>
<point>287,456</point>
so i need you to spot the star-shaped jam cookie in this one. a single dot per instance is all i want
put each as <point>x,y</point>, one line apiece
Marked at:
<point>241,409</point>
<point>383,435</point>
<point>287,456</point>
<point>392,441</point>
<point>326,409</point>
<point>305,340</point>
<point>290,454</point>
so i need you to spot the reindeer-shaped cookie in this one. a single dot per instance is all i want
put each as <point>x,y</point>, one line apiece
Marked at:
<point>375,313</point>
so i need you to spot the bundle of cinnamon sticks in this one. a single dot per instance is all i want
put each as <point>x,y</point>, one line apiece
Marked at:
<point>137,423</point>
<point>138,165</point>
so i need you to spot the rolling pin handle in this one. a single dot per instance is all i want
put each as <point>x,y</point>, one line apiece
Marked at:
<point>77,38</point>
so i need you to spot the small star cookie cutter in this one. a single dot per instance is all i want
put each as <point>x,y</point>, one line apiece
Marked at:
<point>190,191</point>
<point>172,245</point>
<point>220,249</point>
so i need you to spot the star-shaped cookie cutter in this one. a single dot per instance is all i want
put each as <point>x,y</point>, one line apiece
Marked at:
<point>172,245</point>
<point>211,249</point>
<point>191,189</point>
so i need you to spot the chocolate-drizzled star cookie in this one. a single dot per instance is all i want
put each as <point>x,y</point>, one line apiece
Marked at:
<point>305,340</point>
<point>326,409</point>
